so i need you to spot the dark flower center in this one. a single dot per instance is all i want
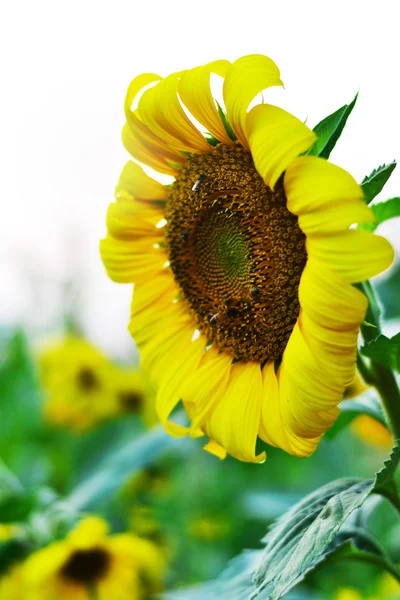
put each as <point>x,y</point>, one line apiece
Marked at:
<point>236,252</point>
<point>86,566</point>
<point>87,379</point>
<point>130,400</point>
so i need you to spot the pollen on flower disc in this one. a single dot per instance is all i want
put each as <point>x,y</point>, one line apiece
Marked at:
<point>236,252</point>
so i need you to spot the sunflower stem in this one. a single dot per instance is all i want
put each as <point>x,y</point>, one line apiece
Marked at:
<point>382,377</point>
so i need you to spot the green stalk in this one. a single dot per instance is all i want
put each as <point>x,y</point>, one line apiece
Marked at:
<point>382,377</point>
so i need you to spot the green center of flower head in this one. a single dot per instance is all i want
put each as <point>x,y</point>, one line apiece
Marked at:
<point>236,252</point>
<point>86,566</point>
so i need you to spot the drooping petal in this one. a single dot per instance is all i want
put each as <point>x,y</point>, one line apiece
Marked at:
<point>357,255</point>
<point>134,183</point>
<point>179,368</point>
<point>162,113</point>
<point>214,448</point>
<point>325,197</point>
<point>206,386</point>
<point>147,153</point>
<point>273,428</point>
<point>312,393</point>
<point>195,92</point>
<point>235,420</point>
<point>247,77</point>
<point>327,298</point>
<point>275,138</point>
<point>140,141</point>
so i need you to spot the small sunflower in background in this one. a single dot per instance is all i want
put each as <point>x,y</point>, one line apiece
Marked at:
<point>79,384</point>
<point>83,387</point>
<point>135,395</point>
<point>11,585</point>
<point>91,563</point>
<point>244,305</point>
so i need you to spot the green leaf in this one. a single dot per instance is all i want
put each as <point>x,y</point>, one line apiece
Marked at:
<point>383,211</point>
<point>373,184</point>
<point>384,350</point>
<point>385,484</point>
<point>329,130</point>
<point>301,538</point>
<point>226,123</point>
<point>366,404</point>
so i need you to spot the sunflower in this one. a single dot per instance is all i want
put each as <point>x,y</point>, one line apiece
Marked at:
<point>79,384</point>
<point>135,395</point>
<point>243,304</point>
<point>91,563</point>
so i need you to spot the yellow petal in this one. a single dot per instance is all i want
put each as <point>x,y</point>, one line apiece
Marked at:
<point>134,183</point>
<point>144,144</point>
<point>328,298</point>
<point>126,219</point>
<point>357,255</point>
<point>275,138</point>
<point>179,368</point>
<point>162,113</point>
<point>316,366</point>
<point>160,288</point>
<point>274,427</point>
<point>148,153</point>
<point>129,261</point>
<point>325,197</point>
<point>235,420</point>
<point>214,448</point>
<point>195,92</point>
<point>206,386</point>
<point>247,77</point>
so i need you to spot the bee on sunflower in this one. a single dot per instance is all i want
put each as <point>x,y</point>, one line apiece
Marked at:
<point>91,563</point>
<point>244,306</point>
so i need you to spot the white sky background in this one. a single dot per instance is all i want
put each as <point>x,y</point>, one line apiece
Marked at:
<point>65,70</point>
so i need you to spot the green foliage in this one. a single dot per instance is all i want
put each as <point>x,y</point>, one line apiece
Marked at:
<point>226,123</point>
<point>374,183</point>
<point>366,404</point>
<point>384,350</point>
<point>302,537</point>
<point>383,211</point>
<point>330,129</point>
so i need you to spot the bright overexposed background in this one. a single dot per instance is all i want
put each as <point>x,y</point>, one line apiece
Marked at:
<point>65,70</point>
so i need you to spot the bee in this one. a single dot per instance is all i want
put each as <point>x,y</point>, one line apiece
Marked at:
<point>232,306</point>
<point>255,292</point>
<point>197,184</point>
<point>214,319</point>
<point>185,235</point>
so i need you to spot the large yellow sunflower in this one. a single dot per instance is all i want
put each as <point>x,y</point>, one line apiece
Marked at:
<point>243,305</point>
<point>91,563</point>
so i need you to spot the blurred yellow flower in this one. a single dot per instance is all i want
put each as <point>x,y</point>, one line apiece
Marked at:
<point>11,586</point>
<point>372,432</point>
<point>8,531</point>
<point>208,529</point>
<point>91,563</point>
<point>243,303</point>
<point>388,589</point>
<point>365,427</point>
<point>135,395</point>
<point>79,383</point>
<point>83,387</point>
